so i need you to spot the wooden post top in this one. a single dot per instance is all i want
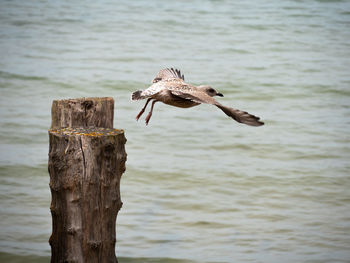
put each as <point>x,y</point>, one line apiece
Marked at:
<point>82,112</point>
<point>90,131</point>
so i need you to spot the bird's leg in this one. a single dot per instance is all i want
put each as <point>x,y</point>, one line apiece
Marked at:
<point>143,109</point>
<point>150,112</point>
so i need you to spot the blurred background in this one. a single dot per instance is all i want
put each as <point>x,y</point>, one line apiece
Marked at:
<point>198,187</point>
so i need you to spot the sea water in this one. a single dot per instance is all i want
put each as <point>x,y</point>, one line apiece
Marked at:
<point>198,187</point>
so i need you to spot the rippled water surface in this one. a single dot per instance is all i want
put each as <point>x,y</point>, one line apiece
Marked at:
<point>198,186</point>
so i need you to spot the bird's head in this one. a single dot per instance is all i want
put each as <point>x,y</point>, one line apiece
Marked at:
<point>210,91</point>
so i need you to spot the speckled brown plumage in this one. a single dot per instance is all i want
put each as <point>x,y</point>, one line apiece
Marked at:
<point>169,87</point>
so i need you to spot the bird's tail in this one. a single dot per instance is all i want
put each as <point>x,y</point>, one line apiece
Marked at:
<point>137,95</point>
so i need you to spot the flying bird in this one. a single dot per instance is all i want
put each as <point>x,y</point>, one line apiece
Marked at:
<point>169,87</point>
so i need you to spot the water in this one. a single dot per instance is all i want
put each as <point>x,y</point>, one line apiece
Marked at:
<point>198,187</point>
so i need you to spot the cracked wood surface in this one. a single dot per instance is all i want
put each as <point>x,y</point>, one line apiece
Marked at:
<point>83,112</point>
<point>85,167</point>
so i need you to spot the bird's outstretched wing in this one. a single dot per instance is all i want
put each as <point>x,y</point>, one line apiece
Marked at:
<point>237,115</point>
<point>168,74</point>
<point>195,96</point>
<point>240,116</point>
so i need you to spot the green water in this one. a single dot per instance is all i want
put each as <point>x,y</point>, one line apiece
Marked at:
<point>198,187</point>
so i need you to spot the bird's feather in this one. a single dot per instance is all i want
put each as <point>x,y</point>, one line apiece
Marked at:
<point>237,115</point>
<point>240,116</point>
<point>195,96</point>
<point>167,73</point>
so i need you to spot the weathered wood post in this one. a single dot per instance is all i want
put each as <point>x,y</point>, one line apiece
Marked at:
<point>86,161</point>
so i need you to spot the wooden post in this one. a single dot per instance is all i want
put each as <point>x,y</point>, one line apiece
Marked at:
<point>85,112</point>
<point>86,161</point>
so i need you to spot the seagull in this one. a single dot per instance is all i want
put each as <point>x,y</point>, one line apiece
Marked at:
<point>169,87</point>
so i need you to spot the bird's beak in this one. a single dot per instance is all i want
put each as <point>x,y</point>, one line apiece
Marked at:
<point>219,94</point>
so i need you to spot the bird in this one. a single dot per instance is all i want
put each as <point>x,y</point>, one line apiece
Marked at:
<point>169,87</point>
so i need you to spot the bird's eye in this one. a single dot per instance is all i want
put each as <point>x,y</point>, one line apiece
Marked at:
<point>211,90</point>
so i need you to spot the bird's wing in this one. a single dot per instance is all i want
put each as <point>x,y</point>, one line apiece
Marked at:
<point>237,115</point>
<point>168,74</point>
<point>240,116</point>
<point>195,96</point>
